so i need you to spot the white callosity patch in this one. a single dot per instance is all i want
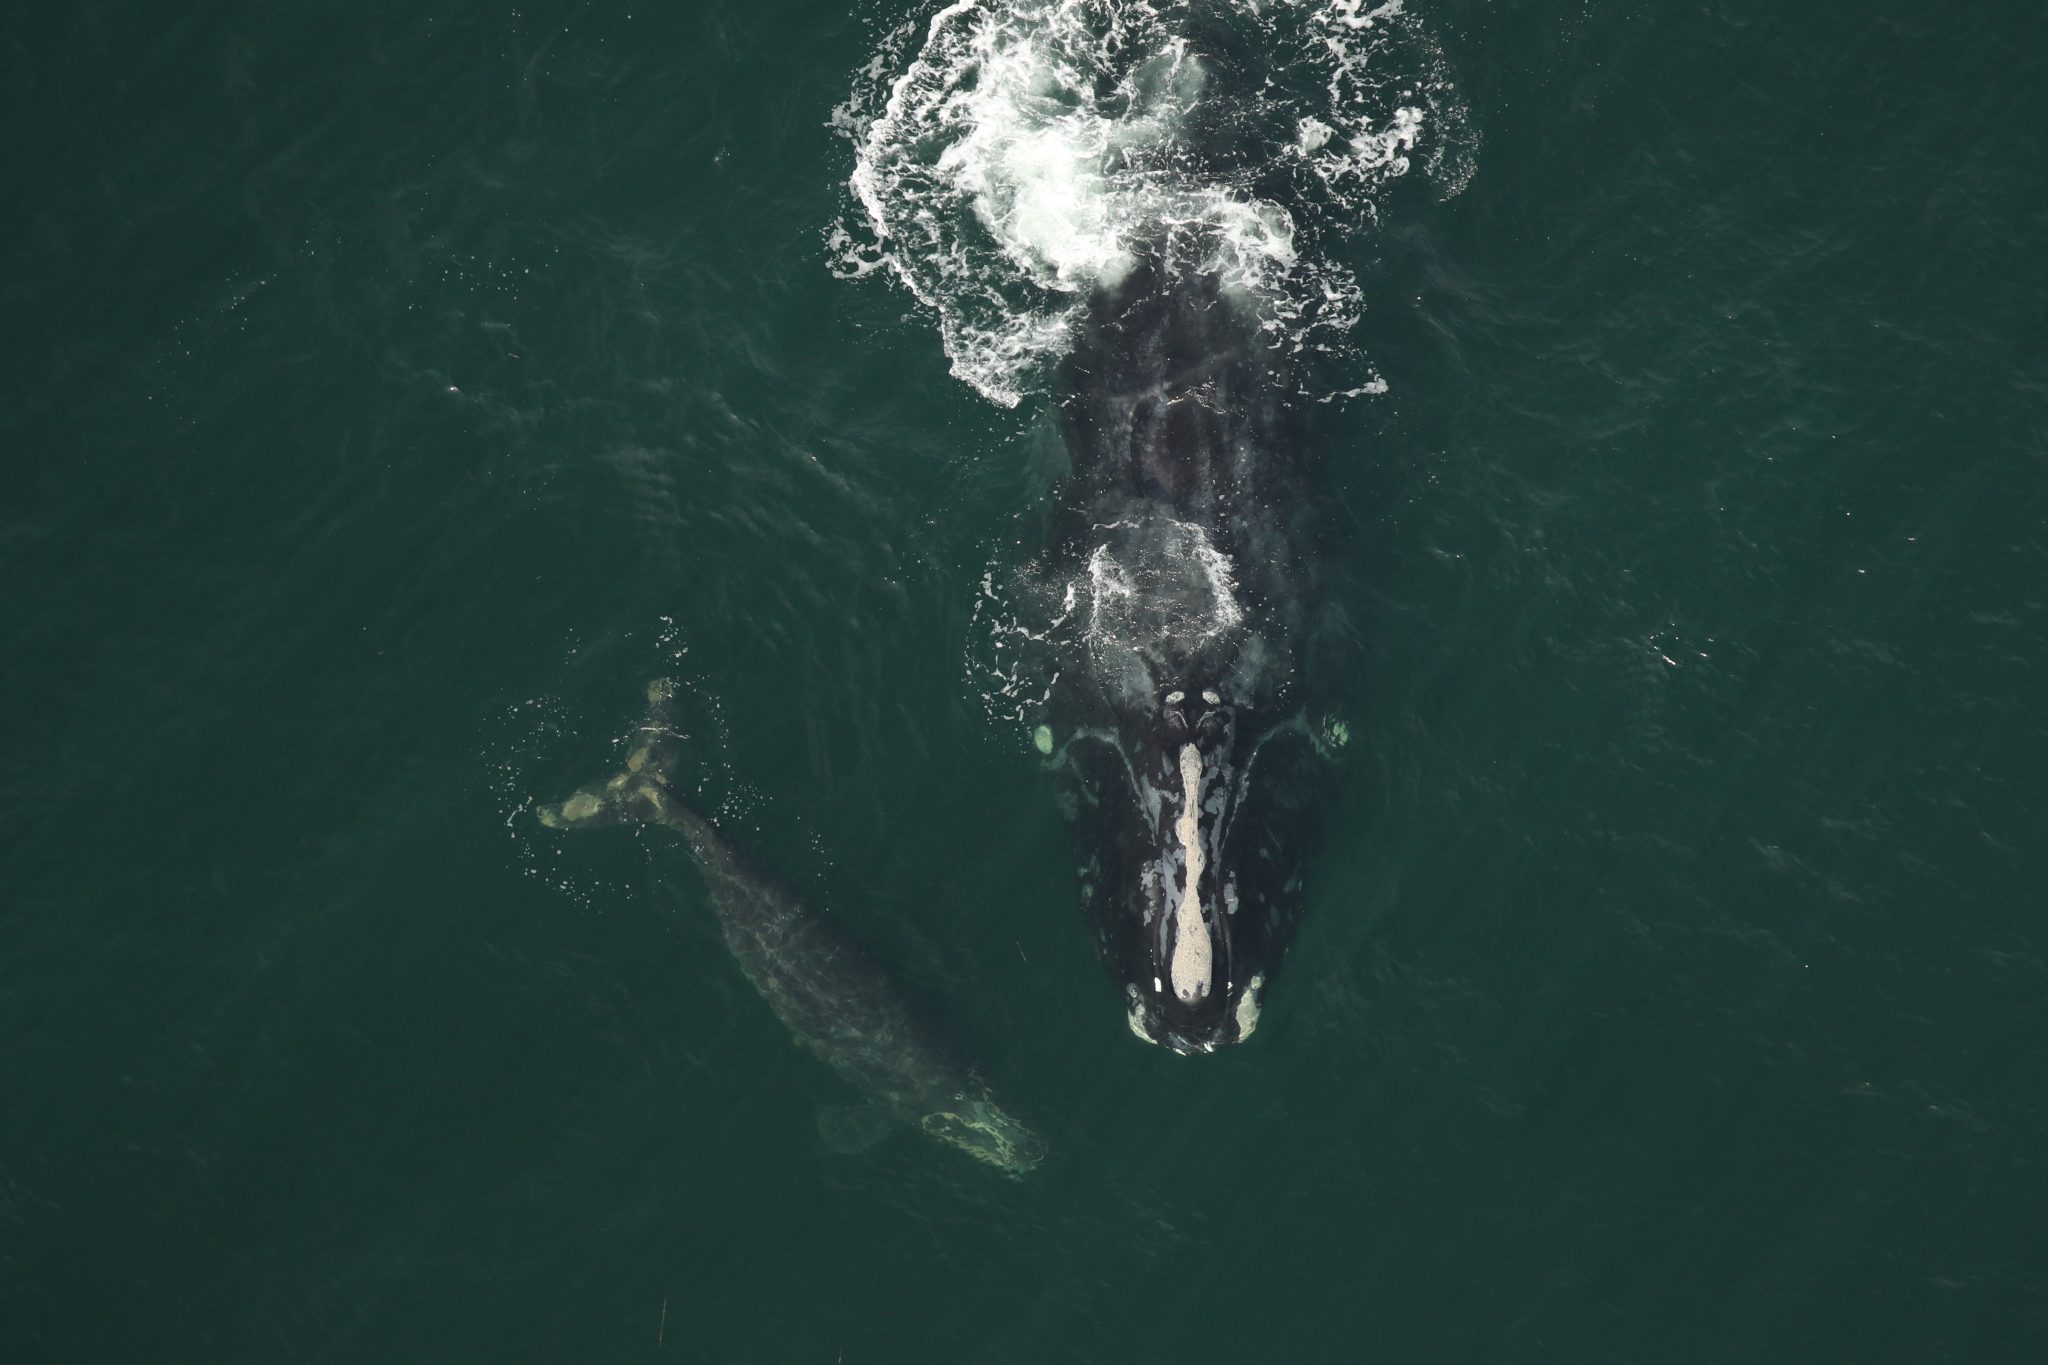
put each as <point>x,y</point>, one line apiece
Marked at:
<point>1248,1008</point>
<point>1013,158</point>
<point>1193,951</point>
<point>1135,1017</point>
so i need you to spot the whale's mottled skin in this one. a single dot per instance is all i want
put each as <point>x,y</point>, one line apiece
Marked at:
<point>833,998</point>
<point>1192,768</point>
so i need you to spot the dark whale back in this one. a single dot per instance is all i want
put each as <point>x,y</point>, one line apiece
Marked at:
<point>1172,399</point>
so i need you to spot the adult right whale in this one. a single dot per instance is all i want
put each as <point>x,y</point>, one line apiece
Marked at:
<point>1162,208</point>
<point>1189,742</point>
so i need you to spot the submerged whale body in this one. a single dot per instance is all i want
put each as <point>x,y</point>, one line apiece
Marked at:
<point>835,1000</point>
<point>1192,769</point>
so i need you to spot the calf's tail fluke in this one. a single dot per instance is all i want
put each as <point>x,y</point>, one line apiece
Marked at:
<point>639,792</point>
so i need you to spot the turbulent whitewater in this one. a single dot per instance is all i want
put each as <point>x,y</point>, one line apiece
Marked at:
<point>1012,159</point>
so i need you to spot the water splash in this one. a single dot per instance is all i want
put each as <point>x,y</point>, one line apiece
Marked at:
<point>1012,158</point>
<point>1147,591</point>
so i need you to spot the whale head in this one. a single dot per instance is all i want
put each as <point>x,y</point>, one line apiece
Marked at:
<point>1192,811</point>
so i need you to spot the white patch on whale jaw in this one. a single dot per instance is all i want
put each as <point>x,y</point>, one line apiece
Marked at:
<point>1135,1015</point>
<point>1194,953</point>
<point>1248,1007</point>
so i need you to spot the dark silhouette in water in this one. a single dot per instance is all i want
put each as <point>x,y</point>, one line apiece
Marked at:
<point>833,998</point>
<point>1190,757</point>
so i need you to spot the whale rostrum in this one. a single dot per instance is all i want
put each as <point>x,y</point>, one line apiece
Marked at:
<point>835,1000</point>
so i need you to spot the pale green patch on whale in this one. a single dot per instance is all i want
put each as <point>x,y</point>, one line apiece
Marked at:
<point>577,809</point>
<point>1041,738</point>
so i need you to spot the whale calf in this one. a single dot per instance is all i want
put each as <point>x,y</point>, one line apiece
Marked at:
<point>835,1000</point>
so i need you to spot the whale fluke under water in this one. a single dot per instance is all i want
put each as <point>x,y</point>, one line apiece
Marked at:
<point>834,999</point>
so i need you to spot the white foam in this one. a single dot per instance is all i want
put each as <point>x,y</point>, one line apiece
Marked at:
<point>1147,591</point>
<point>1011,158</point>
<point>1166,583</point>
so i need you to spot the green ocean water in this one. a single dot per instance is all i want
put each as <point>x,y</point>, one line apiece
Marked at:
<point>390,390</point>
